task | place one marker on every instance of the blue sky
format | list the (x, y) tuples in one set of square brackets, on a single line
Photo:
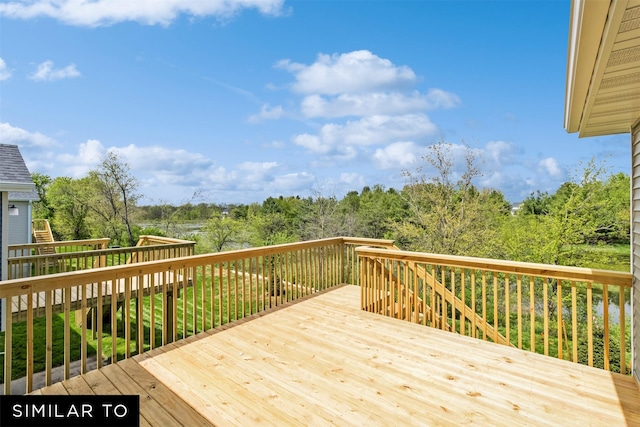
[(240, 100)]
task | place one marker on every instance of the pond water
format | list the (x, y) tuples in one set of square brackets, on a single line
[(614, 311)]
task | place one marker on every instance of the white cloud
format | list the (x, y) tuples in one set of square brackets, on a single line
[(94, 13), (277, 145), (376, 103), (4, 71), (354, 72), (361, 105), (496, 179), (256, 172), (313, 143), (251, 176), (46, 72), (18, 136), (296, 181), (438, 98), (157, 166), (87, 157), (267, 113), (371, 130), (550, 166), (500, 153), (397, 155), (352, 179)]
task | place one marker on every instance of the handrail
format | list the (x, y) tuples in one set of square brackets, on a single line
[(147, 240), (37, 265), (26, 249), (505, 266), (555, 310), (198, 292)]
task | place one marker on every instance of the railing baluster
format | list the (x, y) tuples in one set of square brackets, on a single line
[(484, 305), (98, 319), (473, 304), (164, 308), (48, 337), (433, 305), (140, 309), (235, 292), (83, 329), (574, 320), (545, 302), (220, 296), (67, 331), (532, 314), (590, 323), (180, 276), (174, 305), (605, 313), (559, 316), (424, 295), (463, 316), (623, 341), (29, 355), (8, 344), (519, 308), (126, 317), (507, 308), (452, 275), (114, 318)]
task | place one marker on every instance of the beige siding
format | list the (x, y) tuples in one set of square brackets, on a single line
[(635, 241)]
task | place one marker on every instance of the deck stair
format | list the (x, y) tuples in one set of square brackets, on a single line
[(41, 233), (419, 308)]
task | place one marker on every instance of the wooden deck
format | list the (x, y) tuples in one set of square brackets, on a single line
[(324, 361)]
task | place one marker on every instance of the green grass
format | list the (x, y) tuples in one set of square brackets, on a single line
[(19, 339), (214, 315), (606, 257)]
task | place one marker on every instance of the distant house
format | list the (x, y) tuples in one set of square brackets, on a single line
[(516, 207), (15, 179)]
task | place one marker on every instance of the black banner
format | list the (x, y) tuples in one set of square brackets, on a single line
[(58, 411)]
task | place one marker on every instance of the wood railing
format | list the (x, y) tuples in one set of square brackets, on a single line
[(576, 314), (92, 254), (141, 306), (28, 249), (149, 240)]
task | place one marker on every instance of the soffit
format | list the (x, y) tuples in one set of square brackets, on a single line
[(603, 73)]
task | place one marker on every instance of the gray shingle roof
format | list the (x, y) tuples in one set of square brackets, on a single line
[(23, 196), (12, 166)]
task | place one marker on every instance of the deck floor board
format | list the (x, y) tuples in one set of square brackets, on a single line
[(324, 361)]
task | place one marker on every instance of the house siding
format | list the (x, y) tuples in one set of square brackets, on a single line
[(635, 247), (3, 251), (19, 229)]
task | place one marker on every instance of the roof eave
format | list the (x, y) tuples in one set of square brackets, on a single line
[(588, 20), (17, 186)]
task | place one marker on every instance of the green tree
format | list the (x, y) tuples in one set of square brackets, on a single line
[(591, 208), (69, 200), (322, 216), (115, 198), (447, 213), (537, 203), (222, 233), (378, 211), (41, 208)]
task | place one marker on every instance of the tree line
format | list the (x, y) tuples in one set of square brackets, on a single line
[(438, 210)]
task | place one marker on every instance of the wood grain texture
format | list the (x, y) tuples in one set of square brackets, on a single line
[(324, 361)]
